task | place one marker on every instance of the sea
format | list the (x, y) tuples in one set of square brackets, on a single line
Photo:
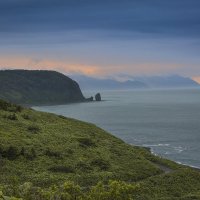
[(165, 120)]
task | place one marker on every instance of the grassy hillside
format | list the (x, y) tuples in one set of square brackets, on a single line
[(46, 150), (36, 87)]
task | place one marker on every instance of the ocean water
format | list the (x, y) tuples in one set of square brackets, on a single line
[(167, 121)]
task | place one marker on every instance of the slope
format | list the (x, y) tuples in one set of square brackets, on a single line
[(38, 87)]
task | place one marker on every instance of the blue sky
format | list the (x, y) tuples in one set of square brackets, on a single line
[(101, 38)]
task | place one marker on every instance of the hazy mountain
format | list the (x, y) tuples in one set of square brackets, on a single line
[(90, 83), (38, 87), (167, 81), (173, 81)]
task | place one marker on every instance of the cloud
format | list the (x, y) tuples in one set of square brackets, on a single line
[(64, 66), (101, 37), (20, 62), (167, 18), (197, 79)]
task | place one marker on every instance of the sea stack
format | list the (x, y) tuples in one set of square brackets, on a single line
[(90, 98), (98, 97)]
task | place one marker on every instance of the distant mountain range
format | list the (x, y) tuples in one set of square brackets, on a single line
[(173, 81)]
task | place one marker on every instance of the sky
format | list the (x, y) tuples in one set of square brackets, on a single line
[(102, 38)]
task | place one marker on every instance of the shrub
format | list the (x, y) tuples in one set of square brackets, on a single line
[(51, 153), (1, 160), (31, 155), (34, 128), (83, 166), (11, 117), (115, 190), (25, 116), (22, 152), (62, 169), (4, 105), (15, 108), (19, 108), (9, 106), (62, 117), (70, 151), (67, 191), (102, 164), (1, 150), (11, 153), (86, 142), (25, 190)]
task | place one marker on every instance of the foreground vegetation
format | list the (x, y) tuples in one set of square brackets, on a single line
[(45, 156)]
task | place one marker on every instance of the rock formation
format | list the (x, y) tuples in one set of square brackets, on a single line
[(98, 97)]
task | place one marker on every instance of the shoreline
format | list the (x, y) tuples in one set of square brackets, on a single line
[(178, 162)]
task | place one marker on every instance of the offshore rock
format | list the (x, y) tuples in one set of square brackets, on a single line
[(98, 97), (89, 99)]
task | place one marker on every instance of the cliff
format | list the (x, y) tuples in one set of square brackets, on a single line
[(35, 87)]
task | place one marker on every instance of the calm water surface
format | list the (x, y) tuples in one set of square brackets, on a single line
[(168, 121)]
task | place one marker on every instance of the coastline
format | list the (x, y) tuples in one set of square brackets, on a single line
[(177, 162)]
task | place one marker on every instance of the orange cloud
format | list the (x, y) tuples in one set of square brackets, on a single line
[(47, 64), (197, 79), (64, 66)]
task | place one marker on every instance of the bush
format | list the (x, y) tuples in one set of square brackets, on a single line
[(11, 153), (11, 117), (22, 152), (1, 150), (19, 108), (31, 155), (114, 190), (101, 164), (62, 117), (10, 107), (51, 153), (25, 116), (15, 108), (62, 169), (4, 105), (83, 166), (86, 142), (34, 128), (70, 151)]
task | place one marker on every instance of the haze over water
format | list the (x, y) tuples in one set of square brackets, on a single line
[(167, 121)]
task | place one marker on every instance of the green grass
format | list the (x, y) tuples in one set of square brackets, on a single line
[(47, 149)]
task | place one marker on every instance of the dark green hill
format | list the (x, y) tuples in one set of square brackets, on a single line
[(37, 87), (41, 150)]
